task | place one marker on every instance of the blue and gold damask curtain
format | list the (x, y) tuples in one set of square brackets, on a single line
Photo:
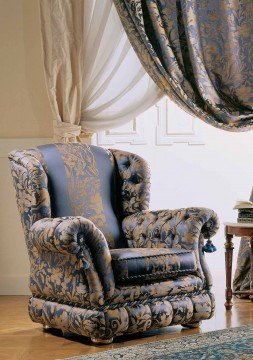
[(199, 53)]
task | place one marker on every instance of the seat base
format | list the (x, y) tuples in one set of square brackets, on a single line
[(103, 324)]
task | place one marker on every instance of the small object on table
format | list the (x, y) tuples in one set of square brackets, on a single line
[(236, 229), (245, 211)]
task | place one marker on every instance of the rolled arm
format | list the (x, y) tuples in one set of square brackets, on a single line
[(170, 228), (80, 237)]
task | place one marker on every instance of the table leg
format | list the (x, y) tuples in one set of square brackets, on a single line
[(229, 246), (251, 268)]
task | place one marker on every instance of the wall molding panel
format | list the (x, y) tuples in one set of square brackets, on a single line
[(173, 126), (132, 133)]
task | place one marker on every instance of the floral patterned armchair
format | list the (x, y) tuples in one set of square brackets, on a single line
[(102, 264)]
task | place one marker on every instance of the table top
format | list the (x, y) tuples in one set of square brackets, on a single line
[(239, 229), (242, 225)]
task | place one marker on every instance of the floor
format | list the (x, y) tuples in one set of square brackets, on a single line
[(21, 339)]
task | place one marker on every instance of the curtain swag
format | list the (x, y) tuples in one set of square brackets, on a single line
[(199, 53), (86, 57), (67, 132)]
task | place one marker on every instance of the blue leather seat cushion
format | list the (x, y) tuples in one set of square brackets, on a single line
[(138, 265)]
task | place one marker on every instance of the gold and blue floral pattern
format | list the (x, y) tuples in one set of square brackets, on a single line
[(105, 323), (242, 276), (61, 277), (135, 181), (83, 181), (31, 184), (72, 279), (181, 229), (198, 52), (181, 285), (78, 236)]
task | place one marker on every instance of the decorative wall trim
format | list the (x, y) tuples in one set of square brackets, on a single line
[(134, 136), (7, 145), (171, 128)]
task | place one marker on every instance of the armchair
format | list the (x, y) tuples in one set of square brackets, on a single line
[(102, 264)]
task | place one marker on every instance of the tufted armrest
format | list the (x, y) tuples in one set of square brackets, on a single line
[(180, 228), (80, 237)]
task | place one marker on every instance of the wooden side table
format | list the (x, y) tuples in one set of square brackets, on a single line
[(236, 229)]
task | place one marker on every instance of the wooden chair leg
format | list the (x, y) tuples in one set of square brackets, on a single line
[(229, 247), (192, 325), (46, 327), (67, 334)]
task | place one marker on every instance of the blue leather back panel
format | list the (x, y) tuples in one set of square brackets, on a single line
[(83, 182), (57, 181)]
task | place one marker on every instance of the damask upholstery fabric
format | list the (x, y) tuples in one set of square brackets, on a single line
[(149, 264), (198, 53), (80, 237), (179, 286), (132, 318), (72, 279), (242, 276), (178, 228), (135, 181)]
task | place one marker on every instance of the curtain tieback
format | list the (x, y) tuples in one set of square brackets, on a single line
[(67, 133)]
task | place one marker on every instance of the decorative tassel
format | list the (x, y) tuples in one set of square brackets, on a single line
[(209, 247), (86, 265)]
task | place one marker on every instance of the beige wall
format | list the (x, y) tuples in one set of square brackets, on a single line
[(25, 121), (24, 106)]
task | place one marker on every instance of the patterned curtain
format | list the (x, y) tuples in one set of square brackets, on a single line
[(242, 273), (199, 53)]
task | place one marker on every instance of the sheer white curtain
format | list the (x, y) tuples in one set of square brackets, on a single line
[(94, 79)]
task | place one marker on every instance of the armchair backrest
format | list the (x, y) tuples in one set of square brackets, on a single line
[(59, 180)]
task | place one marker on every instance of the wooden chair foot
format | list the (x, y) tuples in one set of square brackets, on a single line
[(101, 341), (66, 334), (228, 305), (46, 327), (193, 325)]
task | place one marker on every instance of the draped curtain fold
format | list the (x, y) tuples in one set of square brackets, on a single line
[(94, 79), (199, 53)]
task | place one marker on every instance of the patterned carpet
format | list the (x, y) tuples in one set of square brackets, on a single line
[(229, 344)]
